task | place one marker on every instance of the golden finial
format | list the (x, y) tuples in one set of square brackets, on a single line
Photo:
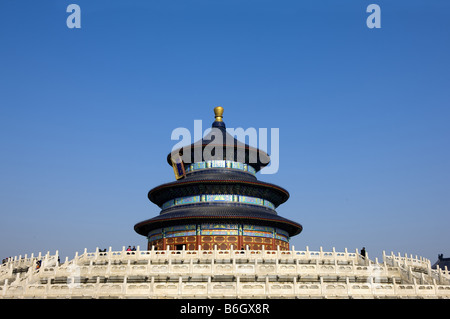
[(218, 111)]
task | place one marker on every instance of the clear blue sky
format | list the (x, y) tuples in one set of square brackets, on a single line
[(364, 115)]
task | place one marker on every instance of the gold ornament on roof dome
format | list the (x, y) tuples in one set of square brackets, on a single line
[(218, 111)]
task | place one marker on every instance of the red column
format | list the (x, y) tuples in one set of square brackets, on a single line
[(199, 239)]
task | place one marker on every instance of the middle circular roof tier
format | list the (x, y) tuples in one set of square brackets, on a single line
[(197, 186)]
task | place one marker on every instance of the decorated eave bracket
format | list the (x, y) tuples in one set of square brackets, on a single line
[(178, 167)]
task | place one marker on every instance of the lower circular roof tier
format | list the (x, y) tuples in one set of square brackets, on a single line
[(165, 192), (218, 213)]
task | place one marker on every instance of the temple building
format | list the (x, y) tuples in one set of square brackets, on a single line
[(441, 263), (216, 200)]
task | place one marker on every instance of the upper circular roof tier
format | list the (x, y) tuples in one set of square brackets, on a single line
[(189, 187), (218, 144)]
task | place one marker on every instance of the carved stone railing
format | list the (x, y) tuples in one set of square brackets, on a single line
[(258, 273), (183, 289)]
